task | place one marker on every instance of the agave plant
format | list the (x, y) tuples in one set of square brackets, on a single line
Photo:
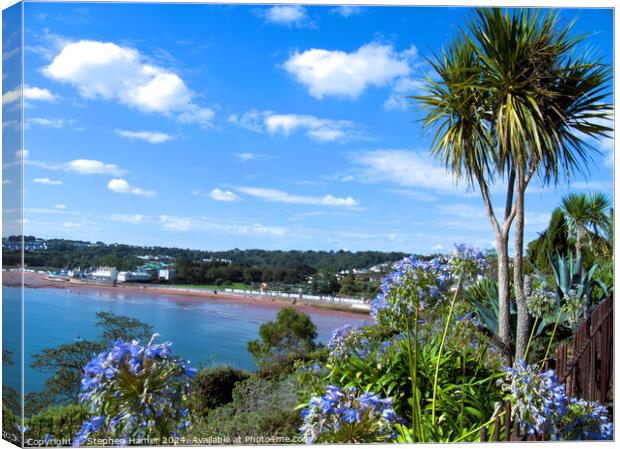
[(574, 282), (484, 297)]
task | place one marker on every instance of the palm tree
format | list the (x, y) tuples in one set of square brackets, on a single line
[(535, 105), (457, 108), (586, 215)]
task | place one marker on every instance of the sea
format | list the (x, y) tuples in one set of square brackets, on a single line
[(203, 331)]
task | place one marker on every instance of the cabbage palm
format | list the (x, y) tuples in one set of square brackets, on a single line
[(458, 109), (585, 214), (531, 106)]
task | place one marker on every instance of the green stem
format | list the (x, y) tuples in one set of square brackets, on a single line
[(479, 428), (555, 326), (443, 340), (527, 348), (412, 376)]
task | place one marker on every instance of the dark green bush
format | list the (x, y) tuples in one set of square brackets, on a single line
[(60, 422), (213, 387), (261, 408)]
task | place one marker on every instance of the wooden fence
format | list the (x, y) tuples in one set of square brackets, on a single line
[(584, 365)]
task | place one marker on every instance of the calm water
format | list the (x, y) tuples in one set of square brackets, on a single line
[(201, 331)]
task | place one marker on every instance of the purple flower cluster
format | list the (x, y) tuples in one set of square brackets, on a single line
[(133, 390), (584, 420), (343, 340), (541, 406), (468, 261), (349, 416), (412, 283)]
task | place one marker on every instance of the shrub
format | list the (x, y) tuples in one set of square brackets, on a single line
[(57, 422), (213, 387), (290, 337), (261, 407)]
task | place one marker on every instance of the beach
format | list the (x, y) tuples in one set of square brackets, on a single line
[(40, 280)]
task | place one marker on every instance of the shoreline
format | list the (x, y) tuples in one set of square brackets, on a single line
[(39, 280)]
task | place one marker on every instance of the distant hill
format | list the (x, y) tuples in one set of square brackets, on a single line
[(61, 253)]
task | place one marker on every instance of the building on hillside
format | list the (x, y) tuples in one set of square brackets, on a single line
[(167, 274), (105, 274), (134, 276)]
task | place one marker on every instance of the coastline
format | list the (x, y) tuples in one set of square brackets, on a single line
[(39, 280)]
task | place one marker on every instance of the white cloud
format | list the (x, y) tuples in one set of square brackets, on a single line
[(341, 74), (318, 129), (278, 196), (121, 186), (11, 96), (222, 195), (247, 156), (606, 146), (288, 15), (537, 219), (414, 194), (92, 167), (184, 224), (32, 93), (153, 137), (402, 88), (47, 181), (128, 218), (46, 122), (70, 225), (60, 206), (405, 168), (346, 10), (106, 70), (22, 154), (462, 210)]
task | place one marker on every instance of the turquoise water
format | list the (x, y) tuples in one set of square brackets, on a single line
[(201, 331)]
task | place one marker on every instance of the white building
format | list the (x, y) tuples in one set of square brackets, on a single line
[(133, 276), (105, 274), (166, 274)]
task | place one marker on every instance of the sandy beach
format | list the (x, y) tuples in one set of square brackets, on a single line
[(39, 280)]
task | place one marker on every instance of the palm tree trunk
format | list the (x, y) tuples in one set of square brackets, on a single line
[(523, 316), (579, 240), (503, 268), (503, 288)]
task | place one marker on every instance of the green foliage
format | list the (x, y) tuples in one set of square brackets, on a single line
[(118, 327), (553, 239), (10, 423), (466, 389), (61, 422), (65, 362), (483, 296), (571, 279), (325, 282), (290, 337), (261, 408), (213, 387)]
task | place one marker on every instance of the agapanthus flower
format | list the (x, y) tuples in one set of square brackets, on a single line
[(541, 406), (542, 303), (134, 389), (346, 416)]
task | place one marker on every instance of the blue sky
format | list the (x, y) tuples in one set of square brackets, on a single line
[(217, 127)]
